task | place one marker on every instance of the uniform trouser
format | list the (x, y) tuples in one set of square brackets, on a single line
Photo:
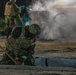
[(10, 21)]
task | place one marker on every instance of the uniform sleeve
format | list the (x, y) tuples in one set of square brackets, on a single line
[(17, 9)]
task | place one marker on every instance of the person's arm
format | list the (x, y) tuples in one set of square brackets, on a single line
[(21, 20), (16, 9)]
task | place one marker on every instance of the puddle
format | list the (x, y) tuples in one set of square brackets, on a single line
[(55, 62)]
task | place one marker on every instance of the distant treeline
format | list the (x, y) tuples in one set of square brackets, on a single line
[(18, 2)]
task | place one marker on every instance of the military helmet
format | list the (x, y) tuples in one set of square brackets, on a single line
[(32, 30), (16, 32)]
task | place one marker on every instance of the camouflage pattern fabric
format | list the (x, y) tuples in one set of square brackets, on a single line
[(21, 49)]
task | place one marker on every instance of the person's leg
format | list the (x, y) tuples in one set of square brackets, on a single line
[(7, 21), (12, 21), (30, 61), (6, 60)]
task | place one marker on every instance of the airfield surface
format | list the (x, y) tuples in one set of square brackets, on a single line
[(43, 49), (51, 49)]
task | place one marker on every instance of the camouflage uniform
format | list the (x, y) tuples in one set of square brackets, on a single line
[(20, 49), (11, 11)]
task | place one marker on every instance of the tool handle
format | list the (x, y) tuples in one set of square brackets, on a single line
[(9, 56)]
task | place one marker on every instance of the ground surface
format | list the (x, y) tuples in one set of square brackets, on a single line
[(51, 49), (25, 70), (44, 49)]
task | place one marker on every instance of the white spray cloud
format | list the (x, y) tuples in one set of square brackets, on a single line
[(57, 18), (68, 2), (38, 6)]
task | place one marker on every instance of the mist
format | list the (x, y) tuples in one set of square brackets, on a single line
[(57, 19)]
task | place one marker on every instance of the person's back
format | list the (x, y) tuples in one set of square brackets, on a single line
[(11, 9), (8, 8), (11, 12)]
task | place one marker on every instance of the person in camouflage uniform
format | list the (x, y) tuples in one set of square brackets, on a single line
[(11, 11), (20, 47)]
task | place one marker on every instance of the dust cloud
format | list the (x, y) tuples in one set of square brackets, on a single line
[(57, 19)]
